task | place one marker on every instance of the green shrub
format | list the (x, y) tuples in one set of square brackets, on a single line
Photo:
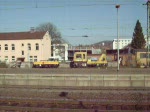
[(3, 65)]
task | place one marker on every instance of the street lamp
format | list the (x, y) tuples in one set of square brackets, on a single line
[(117, 7)]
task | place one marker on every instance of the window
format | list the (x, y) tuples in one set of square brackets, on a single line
[(13, 47), (13, 58), (22, 44), (78, 56), (0, 47), (31, 58), (22, 53), (103, 59), (29, 46), (6, 47), (6, 58), (36, 46), (35, 58), (143, 55), (83, 56)]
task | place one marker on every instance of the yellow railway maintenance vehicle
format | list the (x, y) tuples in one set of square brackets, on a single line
[(81, 59), (50, 63)]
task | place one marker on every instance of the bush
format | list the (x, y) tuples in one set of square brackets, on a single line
[(3, 65)]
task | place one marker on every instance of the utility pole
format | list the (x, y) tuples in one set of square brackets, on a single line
[(148, 30), (118, 60)]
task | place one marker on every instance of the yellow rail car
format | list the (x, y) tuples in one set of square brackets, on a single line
[(97, 62), (50, 63), (81, 59)]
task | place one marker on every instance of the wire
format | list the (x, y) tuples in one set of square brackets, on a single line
[(37, 5)]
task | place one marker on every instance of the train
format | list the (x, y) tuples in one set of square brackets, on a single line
[(50, 63), (82, 59)]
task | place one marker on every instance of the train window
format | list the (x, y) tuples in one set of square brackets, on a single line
[(78, 56), (103, 59), (83, 56)]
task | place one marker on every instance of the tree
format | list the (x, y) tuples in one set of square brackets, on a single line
[(138, 41), (55, 34)]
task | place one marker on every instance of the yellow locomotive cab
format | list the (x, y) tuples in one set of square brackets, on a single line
[(81, 59)]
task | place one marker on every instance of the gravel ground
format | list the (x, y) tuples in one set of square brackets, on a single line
[(119, 95)]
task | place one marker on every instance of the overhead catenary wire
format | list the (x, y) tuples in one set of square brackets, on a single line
[(37, 4), (40, 4)]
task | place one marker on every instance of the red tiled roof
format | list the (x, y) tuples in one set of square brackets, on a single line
[(21, 35)]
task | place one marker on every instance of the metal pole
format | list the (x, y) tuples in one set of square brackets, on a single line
[(148, 26), (148, 31), (117, 7)]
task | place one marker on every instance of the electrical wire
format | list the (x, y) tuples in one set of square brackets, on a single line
[(35, 4)]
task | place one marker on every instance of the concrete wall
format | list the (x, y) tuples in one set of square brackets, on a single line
[(76, 80)]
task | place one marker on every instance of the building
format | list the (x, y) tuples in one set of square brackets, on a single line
[(60, 51), (89, 49), (26, 46), (142, 57), (122, 43)]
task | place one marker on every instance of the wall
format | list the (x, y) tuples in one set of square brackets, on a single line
[(75, 80)]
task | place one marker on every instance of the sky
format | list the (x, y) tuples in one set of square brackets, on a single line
[(75, 18)]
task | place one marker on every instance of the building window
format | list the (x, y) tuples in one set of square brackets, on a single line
[(6, 47), (0, 47), (22, 52), (29, 46), (31, 58), (13, 58), (143, 55), (6, 58), (36, 46), (22, 44), (35, 58), (13, 47)]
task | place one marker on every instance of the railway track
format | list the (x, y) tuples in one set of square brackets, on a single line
[(38, 106), (74, 100), (35, 109)]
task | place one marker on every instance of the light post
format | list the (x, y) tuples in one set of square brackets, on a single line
[(117, 7)]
